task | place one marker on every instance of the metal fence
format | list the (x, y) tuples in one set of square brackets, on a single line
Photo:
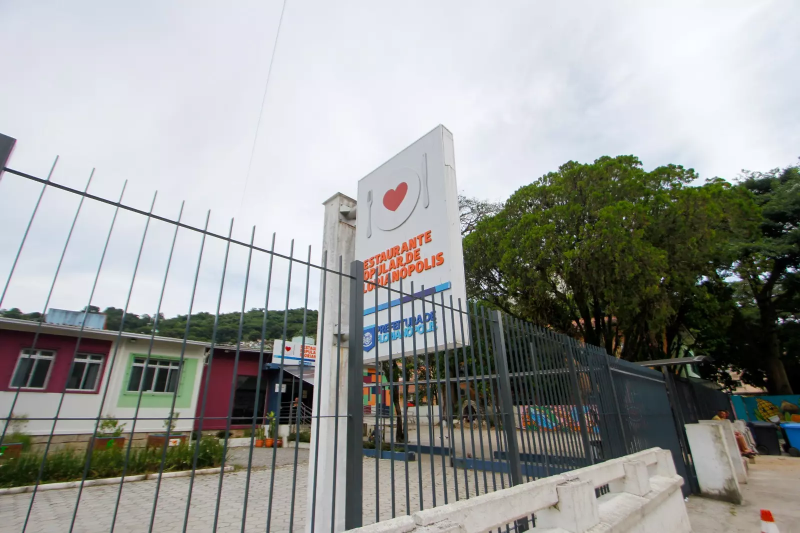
[(511, 402)]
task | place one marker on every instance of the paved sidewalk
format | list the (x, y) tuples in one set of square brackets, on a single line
[(53, 510), (773, 483)]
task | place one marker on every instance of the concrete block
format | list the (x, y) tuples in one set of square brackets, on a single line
[(576, 510), (716, 474), (636, 480), (733, 448), (401, 524), (666, 464)]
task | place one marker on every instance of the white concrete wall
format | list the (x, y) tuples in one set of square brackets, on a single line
[(713, 464), (646, 498)]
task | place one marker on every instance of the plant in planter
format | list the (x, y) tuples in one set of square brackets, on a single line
[(156, 440), (16, 440), (109, 434), (272, 439), (261, 436)]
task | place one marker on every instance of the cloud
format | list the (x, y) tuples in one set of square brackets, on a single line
[(167, 97)]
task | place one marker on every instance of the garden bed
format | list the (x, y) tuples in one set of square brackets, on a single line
[(67, 465)]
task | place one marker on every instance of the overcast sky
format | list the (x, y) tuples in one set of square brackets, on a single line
[(167, 96)]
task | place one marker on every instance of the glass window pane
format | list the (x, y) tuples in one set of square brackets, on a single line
[(173, 380), (22, 373), (90, 381), (161, 380), (136, 376), (138, 361), (74, 381), (39, 373), (148, 379)]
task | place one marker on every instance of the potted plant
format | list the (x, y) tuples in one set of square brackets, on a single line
[(270, 440), (156, 440), (16, 440), (260, 437), (109, 434)]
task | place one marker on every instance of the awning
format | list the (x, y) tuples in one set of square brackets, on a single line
[(308, 373)]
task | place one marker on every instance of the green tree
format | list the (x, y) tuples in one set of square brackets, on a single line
[(607, 251), (768, 265)]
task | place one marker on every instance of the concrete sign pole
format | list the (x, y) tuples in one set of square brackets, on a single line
[(338, 241)]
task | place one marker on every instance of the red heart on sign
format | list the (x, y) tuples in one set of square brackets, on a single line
[(288, 348), (394, 197)]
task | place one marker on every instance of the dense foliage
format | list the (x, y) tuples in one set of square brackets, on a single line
[(647, 265), (201, 325)]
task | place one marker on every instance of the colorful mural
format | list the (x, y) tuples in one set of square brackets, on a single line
[(767, 408), (557, 418), (370, 392)]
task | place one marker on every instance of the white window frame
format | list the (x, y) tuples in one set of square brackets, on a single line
[(87, 358), (159, 365), (28, 353)]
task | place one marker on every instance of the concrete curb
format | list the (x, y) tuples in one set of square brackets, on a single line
[(109, 481)]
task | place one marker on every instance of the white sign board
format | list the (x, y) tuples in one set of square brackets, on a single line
[(294, 353), (408, 232)]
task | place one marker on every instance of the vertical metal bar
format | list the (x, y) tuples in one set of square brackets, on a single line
[(476, 339), (431, 432), (541, 432), (355, 383), (280, 384), (180, 371), (318, 392), (504, 387), (526, 358), (49, 294), (516, 367), (404, 405), (234, 378), (416, 404), (458, 393), (567, 452), (378, 395), (144, 371), (357, 281), (27, 230), (75, 353), (113, 359), (300, 393), (450, 413), (439, 393), (679, 422), (487, 338), (587, 447), (208, 372), (390, 378), (469, 399), (258, 384)]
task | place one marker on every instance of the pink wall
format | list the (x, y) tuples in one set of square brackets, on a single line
[(219, 389), (13, 342)]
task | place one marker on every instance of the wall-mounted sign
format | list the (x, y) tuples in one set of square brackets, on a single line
[(293, 353), (408, 232)]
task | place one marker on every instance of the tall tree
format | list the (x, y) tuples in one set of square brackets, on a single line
[(606, 251), (768, 263)]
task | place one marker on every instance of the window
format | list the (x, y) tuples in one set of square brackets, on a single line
[(33, 368), (85, 372), (160, 376)]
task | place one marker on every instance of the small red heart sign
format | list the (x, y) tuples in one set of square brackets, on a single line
[(394, 197), (288, 348)]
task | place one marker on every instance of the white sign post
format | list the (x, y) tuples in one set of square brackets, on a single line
[(408, 229)]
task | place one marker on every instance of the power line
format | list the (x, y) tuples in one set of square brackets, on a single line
[(263, 100)]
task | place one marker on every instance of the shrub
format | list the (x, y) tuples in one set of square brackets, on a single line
[(68, 464), (110, 427), (305, 436)]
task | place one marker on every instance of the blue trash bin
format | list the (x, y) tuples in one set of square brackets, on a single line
[(792, 432)]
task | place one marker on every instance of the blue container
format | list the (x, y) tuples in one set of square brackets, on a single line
[(793, 436)]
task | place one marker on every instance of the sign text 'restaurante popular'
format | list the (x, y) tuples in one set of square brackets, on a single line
[(409, 238)]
